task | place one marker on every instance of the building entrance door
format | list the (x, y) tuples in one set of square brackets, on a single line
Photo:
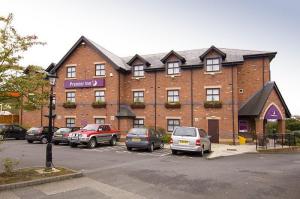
[(213, 130)]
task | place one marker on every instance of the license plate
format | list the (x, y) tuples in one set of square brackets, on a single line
[(30, 134), (58, 135), (135, 139), (1, 137), (74, 138), (184, 142)]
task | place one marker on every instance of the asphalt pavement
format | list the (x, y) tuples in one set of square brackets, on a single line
[(113, 172)]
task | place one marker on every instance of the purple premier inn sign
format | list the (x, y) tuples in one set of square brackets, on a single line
[(273, 113), (87, 83)]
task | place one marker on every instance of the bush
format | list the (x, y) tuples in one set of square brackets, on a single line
[(166, 138), (292, 124), (8, 165)]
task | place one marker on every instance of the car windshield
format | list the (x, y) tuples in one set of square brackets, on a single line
[(91, 127), (181, 131), (63, 130), (138, 131)]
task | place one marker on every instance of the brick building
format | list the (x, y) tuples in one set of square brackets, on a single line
[(224, 91)]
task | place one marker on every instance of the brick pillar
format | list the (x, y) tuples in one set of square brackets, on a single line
[(259, 126), (281, 126)]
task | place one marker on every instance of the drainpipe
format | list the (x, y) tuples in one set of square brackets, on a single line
[(119, 98), (155, 100), (192, 100), (232, 108), (263, 77)]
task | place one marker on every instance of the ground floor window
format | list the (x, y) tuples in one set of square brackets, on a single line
[(172, 123), (99, 120), (70, 122), (138, 123)]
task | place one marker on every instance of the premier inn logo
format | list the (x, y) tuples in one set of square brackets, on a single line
[(88, 83)]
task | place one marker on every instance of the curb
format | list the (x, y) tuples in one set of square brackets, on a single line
[(40, 181)]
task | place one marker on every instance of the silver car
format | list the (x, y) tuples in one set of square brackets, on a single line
[(190, 139)]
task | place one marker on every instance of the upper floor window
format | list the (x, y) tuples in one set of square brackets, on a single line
[(173, 68), (172, 124), (138, 96), (99, 121), (138, 71), (70, 122), (212, 64), (212, 94), (173, 96), (71, 72), (70, 96), (138, 123), (100, 96), (100, 69)]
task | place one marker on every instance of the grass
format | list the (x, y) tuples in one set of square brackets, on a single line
[(28, 174)]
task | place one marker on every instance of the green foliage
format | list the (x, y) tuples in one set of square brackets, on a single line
[(28, 86), (166, 138), (271, 128), (292, 124), (9, 165)]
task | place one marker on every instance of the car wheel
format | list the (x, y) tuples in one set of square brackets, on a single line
[(73, 145), (44, 140), (129, 148), (174, 152), (151, 148), (92, 143), (113, 141), (55, 143), (30, 141), (161, 146)]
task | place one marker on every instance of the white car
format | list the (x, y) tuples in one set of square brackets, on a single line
[(190, 139)]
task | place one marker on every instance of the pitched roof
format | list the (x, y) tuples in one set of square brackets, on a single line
[(125, 111), (256, 103), (138, 57), (172, 52), (155, 61), (116, 61), (215, 49)]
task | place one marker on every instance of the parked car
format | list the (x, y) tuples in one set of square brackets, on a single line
[(38, 134), (12, 131), (62, 134), (190, 139), (93, 134), (144, 138)]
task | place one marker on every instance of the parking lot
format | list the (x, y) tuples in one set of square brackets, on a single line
[(113, 172)]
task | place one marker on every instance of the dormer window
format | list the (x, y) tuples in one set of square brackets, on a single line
[(212, 64), (138, 71), (173, 68)]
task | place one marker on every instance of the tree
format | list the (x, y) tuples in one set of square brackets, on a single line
[(12, 46), (292, 124), (18, 89)]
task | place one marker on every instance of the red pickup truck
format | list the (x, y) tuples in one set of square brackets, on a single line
[(93, 134)]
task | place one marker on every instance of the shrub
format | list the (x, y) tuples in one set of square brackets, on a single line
[(69, 105), (8, 165), (212, 104), (138, 105), (166, 138), (292, 124), (172, 105), (99, 104)]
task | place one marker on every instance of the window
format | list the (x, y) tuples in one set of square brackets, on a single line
[(70, 96), (173, 96), (138, 123), (173, 68), (99, 96), (213, 94), (70, 122), (172, 123), (71, 72), (138, 96), (212, 64), (99, 121), (138, 71), (100, 69)]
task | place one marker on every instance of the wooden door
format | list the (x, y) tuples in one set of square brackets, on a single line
[(213, 130)]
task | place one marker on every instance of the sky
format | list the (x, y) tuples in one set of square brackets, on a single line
[(127, 27)]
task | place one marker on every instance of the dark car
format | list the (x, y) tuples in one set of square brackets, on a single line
[(62, 134), (38, 134), (144, 138), (12, 131)]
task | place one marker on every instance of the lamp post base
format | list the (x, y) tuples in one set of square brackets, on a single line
[(49, 155)]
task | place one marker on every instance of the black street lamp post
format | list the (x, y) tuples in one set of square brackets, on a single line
[(50, 127)]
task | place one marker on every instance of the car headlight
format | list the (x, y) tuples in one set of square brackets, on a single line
[(83, 136)]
